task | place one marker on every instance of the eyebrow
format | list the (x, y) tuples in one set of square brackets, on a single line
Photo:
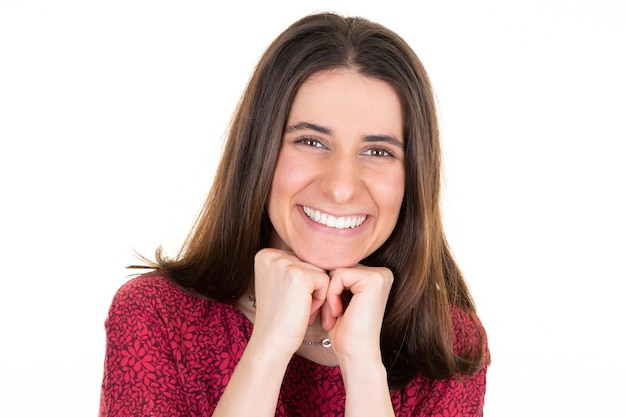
[(384, 138), (324, 130), (308, 126)]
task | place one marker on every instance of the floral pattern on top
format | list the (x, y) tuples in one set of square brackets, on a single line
[(171, 354)]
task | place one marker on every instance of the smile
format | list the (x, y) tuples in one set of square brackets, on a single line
[(344, 222)]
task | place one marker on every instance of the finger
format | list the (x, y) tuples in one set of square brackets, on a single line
[(336, 288), (327, 319), (317, 301)]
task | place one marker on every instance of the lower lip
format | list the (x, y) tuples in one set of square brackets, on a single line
[(328, 229)]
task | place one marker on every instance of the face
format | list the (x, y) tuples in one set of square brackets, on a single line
[(339, 179)]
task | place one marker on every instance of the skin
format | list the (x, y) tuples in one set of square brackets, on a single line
[(342, 155)]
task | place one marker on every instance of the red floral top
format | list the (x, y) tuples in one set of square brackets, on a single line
[(171, 354)]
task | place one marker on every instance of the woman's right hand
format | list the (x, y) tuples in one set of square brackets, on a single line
[(289, 294)]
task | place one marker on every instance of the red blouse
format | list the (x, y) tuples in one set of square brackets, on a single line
[(171, 354)]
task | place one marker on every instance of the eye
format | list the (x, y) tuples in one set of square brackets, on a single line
[(308, 141), (379, 152)]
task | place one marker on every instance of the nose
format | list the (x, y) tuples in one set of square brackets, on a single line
[(341, 179)]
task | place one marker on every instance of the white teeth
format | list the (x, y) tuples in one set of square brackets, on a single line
[(346, 222), (331, 222)]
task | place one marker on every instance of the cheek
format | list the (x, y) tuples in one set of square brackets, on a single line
[(391, 194), (276, 202), (286, 184), (279, 186), (291, 175)]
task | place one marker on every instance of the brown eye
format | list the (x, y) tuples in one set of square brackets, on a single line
[(381, 152), (311, 142)]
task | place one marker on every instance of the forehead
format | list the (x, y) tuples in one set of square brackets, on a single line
[(346, 97)]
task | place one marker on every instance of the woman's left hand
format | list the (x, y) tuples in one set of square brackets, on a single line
[(355, 329)]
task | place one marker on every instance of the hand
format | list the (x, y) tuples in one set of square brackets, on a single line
[(355, 332), (289, 296)]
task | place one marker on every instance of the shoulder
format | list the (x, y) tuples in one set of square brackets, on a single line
[(163, 343), (148, 289), (153, 296), (149, 284), (469, 333)]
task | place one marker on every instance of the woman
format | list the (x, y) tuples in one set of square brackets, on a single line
[(317, 280)]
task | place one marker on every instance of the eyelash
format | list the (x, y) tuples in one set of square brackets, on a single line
[(309, 141), (386, 152), (316, 143)]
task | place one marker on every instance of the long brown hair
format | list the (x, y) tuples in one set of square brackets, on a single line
[(216, 260)]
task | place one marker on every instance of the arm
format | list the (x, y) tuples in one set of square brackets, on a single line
[(144, 375), (254, 387), (288, 293), (355, 334), (367, 393)]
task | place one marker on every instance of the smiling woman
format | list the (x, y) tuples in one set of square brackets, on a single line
[(317, 280)]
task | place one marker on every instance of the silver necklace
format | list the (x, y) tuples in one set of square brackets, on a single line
[(323, 343)]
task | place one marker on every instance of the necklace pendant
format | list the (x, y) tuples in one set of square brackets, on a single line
[(324, 343)]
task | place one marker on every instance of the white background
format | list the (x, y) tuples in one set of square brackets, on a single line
[(112, 116)]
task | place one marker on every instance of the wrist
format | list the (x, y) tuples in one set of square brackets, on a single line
[(362, 369), (269, 350), (367, 389)]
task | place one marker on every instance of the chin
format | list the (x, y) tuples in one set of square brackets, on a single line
[(330, 262)]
